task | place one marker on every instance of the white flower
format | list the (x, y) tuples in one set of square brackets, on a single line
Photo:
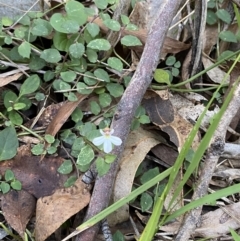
[(107, 140)]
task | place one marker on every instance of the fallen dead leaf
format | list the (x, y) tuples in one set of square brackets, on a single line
[(162, 113), (38, 177), (213, 224), (9, 78), (139, 143), (63, 114), (216, 74), (17, 208), (53, 211)]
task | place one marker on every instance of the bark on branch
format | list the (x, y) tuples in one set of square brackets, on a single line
[(127, 106)]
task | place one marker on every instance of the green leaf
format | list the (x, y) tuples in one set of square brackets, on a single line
[(146, 202), (228, 36), (24, 49), (105, 99), (6, 21), (76, 50), (131, 26), (61, 41), (68, 76), (76, 11), (9, 99), (211, 17), (130, 40), (5, 187), (175, 72), (161, 76), (149, 175), (77, 115), (51, 55), (224, 15), (112, 24), (118, 236), (19, 106), (91, 55), (15, 118), (8, 40), (144, 119), (8, 143), (88, 80), (38, 149), (16, 185), (93, 29), (115, 63), (51, 150), (115, 89), (66, 167), (99, 44), (135, 124), (83, 89), (41, 27), (177, 64), (170, 60), (102, 75), (9, 175), (85, 156), (102, 166), (49, 138), (70, 181), (75, 17), (125, 19), (71, 96), (110, 158), (140, 111), (30, 85), (95, 108), (101, 4), (48, 75)]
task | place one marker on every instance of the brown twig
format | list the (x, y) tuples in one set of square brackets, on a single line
[(213, 153), (127, 106)]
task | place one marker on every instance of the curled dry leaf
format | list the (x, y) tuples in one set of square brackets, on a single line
[(162, 113), (17, 208), (216, 74), (53, 211), (139, 143)]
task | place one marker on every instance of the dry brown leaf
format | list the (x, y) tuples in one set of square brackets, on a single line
[(190, 108), (63, 114), (161, 112), (9, 78), (216, 74), (139, 143), (18, 207), (38, 177), (213, 224), (53, 211)]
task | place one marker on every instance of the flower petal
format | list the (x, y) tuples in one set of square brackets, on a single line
[(102, 132), (107, 145), (98, 140), (116, 140)]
